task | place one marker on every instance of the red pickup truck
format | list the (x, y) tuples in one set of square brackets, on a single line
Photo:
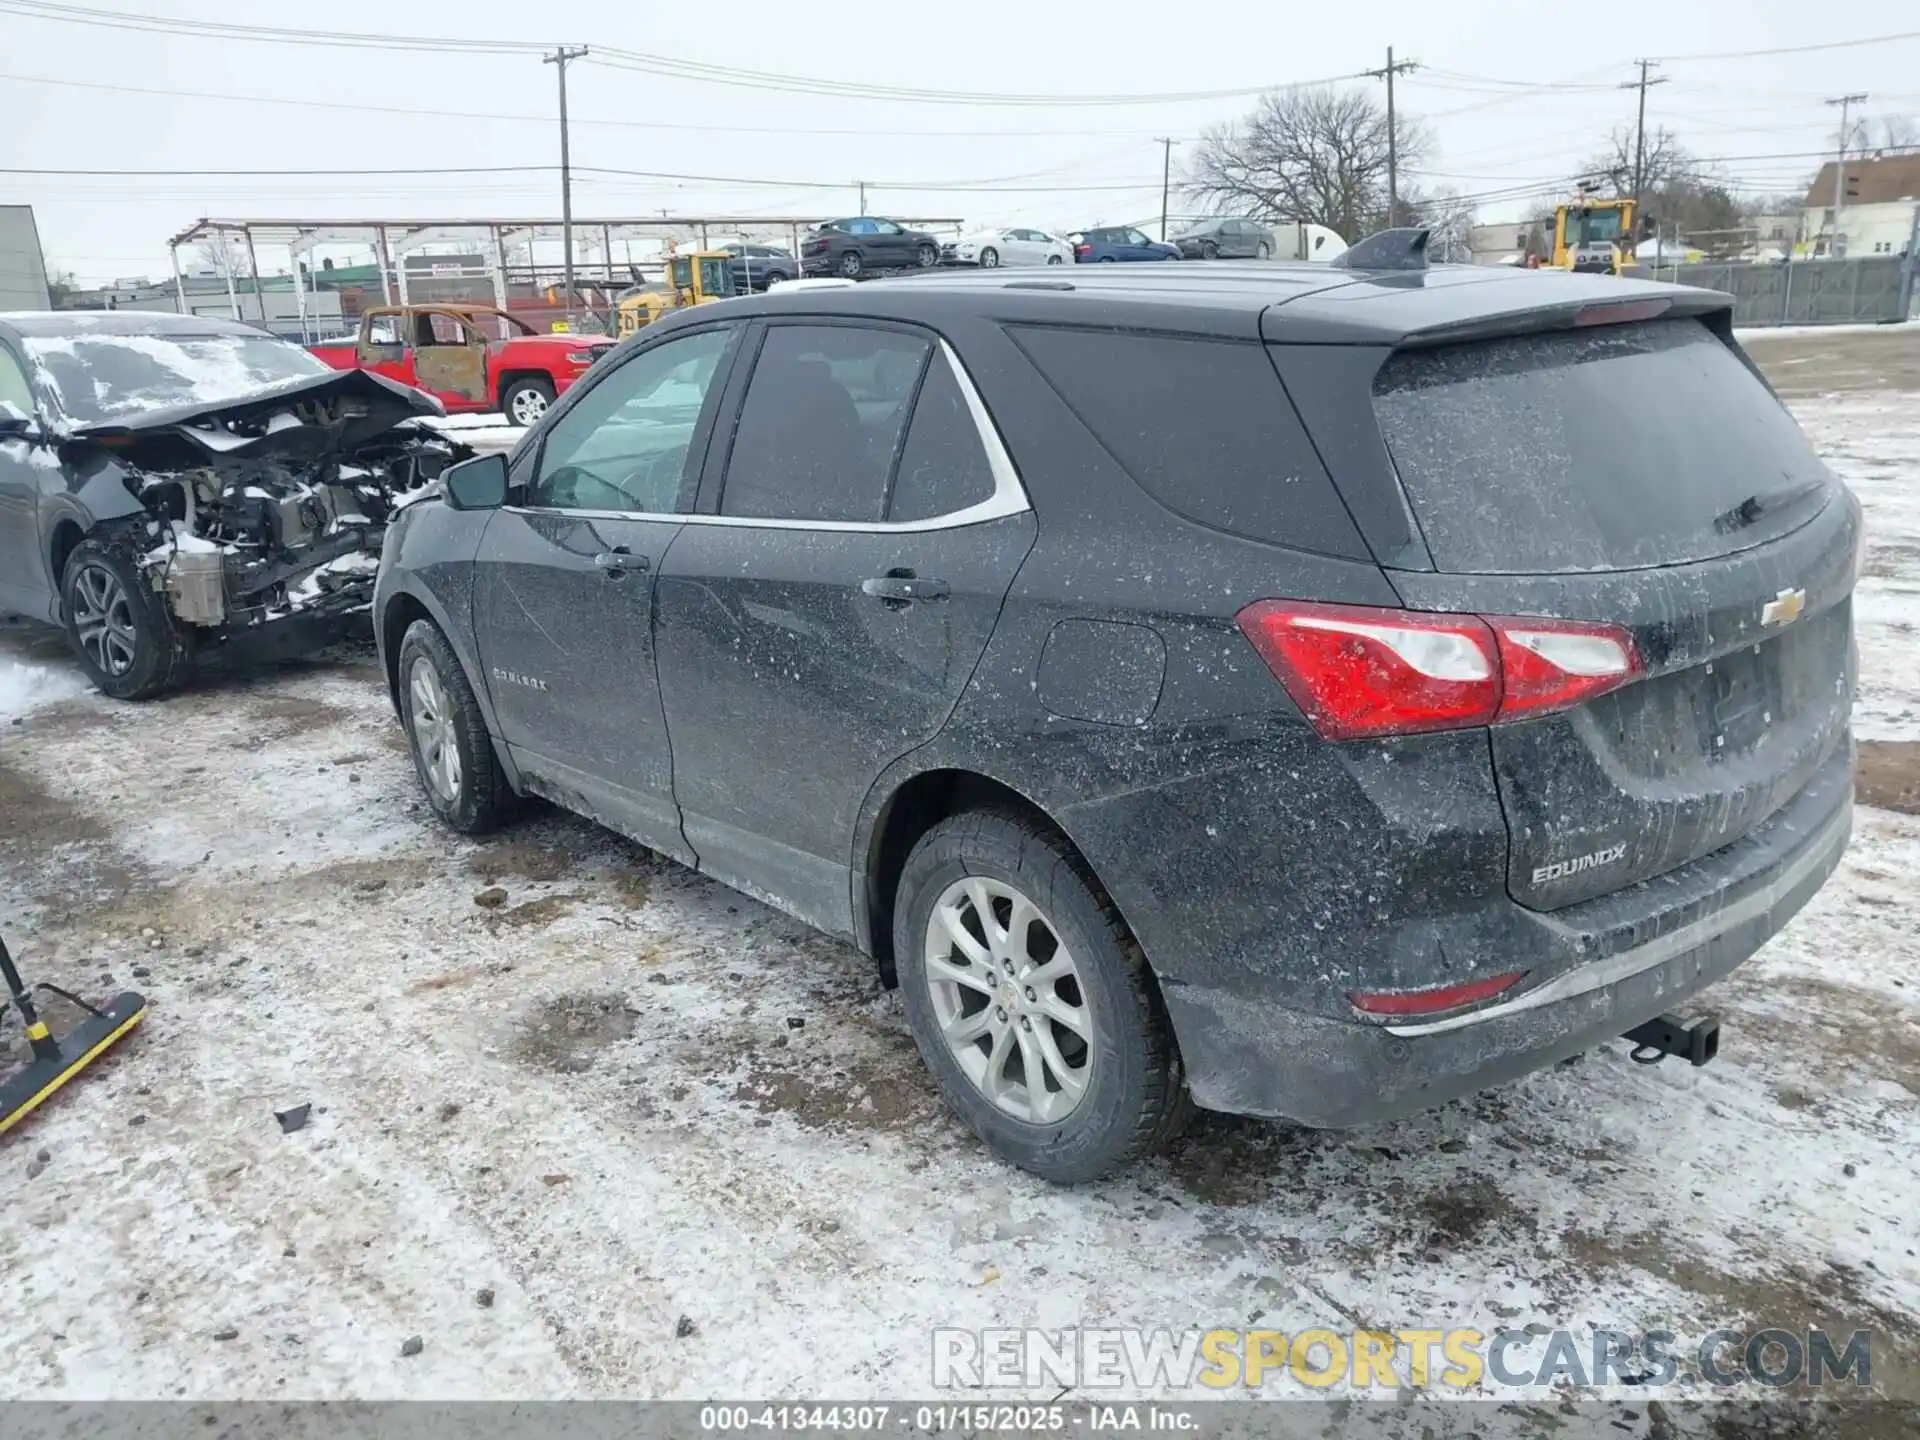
[(470, 357)]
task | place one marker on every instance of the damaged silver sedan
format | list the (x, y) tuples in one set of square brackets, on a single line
[(175, 489)]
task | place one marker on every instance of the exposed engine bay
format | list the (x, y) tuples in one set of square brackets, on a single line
[(276, 506)]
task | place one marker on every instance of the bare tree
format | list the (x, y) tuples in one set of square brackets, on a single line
[(1449, 220), (1314, 154), (1888, 132), (223, 255), (1676, 190)]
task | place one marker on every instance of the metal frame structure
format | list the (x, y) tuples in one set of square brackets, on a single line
[(392, 240)]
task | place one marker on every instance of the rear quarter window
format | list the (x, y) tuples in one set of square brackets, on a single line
[(1203, 426), (1611, 448)]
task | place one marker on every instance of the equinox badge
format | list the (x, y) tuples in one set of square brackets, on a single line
[(1784, 608)]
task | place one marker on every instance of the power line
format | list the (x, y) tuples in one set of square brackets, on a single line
[(1801, 49), (257, 174), (577, 120), (618, 58)]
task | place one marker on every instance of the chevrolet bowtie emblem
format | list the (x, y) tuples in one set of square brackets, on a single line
[(1784, 608)]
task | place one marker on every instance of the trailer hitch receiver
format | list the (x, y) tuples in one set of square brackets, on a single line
[(1696, 1041)]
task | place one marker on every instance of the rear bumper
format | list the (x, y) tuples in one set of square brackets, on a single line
[(1594, 970)]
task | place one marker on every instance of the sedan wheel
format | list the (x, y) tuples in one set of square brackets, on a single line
[(103, 619), (989, 259), (1008, 998), (447, 734), (433, 731), (1029, 999)]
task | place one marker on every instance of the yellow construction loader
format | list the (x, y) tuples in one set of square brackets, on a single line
[(694, 277), (1592, 236)]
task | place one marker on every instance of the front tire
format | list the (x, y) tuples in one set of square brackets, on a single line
[(989, 259), (1209, 250), (927, 256), (447, 735), (118, 627), (525, 401), (1030, 1001)]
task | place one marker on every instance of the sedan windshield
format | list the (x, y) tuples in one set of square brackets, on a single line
[(112, 377)]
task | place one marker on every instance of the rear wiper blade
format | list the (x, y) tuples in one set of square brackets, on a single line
[(1754, 506)]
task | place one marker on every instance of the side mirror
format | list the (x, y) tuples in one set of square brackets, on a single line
[(15, 423), (476, 484)]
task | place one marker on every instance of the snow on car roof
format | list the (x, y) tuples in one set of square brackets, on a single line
[(49, 323)]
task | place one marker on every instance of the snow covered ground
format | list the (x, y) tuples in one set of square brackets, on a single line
[(550, 1124), (484, 432)]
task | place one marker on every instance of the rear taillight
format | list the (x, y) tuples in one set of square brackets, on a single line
[(1357, 670), (1083, 249)]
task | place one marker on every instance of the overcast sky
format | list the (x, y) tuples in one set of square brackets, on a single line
[(1536, 102)]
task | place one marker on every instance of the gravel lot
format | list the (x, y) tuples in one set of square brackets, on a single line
[(590, 1125)]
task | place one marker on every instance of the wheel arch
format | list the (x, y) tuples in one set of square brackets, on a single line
[(902, 808), (507, 379), (399, 608)]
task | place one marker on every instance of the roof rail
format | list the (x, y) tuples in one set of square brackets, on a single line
[(1401, 249)]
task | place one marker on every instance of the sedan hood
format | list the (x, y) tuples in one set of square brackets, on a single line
[(306, 417)]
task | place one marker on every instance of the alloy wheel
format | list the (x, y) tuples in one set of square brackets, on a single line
[(103, 619), (1008, 999), (528, 405), (433, 732)]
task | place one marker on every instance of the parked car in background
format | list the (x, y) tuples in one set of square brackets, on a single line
[(1110, 243), (1226, 237), (756, 266), (865, 245), (468, 357), (175, 489), (1016, 245), (1516, 716)]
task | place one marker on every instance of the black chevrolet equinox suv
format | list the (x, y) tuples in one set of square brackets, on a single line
[(1298, 691)]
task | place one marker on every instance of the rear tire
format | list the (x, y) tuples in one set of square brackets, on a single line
[(1106, 260), (447, 735), (850, 265), (525, 401), (1055, 260), (1263, 251), (1112, 1087), (118, 627)]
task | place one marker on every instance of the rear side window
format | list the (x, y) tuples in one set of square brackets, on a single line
[(1204, 426), (943, 468), (822, 423), (1611, 448)]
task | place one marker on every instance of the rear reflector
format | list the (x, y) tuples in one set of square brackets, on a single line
[(1358, 670), (1396, 1004)]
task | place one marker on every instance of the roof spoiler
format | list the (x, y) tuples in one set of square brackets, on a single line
[(1402, 249)]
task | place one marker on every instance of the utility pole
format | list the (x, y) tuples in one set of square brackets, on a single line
[(1846, 104), (559, 60), (1640, 134), (1166, 177), (1393, 134), (863, 195)]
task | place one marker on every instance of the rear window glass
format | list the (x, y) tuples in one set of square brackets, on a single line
[(1204, 426), (1611, 448)]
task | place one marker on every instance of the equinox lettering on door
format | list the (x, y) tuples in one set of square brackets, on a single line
[(514, 677), (1560, 869)]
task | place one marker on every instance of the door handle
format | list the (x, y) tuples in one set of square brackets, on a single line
[(904, 589), (616, 562)]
